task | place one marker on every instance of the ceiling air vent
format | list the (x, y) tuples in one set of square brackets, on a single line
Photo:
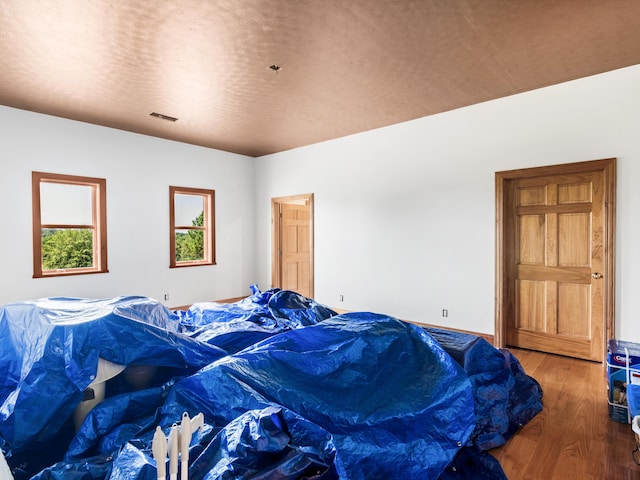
[(163, 117)]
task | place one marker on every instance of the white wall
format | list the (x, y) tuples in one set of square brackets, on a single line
[(404, 215), (404, 219), (138, 170)]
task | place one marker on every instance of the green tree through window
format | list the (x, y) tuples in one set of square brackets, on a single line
[(191, 227), (190, 244), (67, 248), (69, 224)]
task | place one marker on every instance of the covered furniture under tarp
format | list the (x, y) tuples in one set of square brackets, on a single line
[(288, 389)]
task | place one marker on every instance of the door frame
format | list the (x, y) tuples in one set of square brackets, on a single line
[(276, 226), (608, 168)]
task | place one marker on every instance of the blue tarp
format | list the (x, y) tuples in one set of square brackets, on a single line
[(241, 324), (288, 390), (49, 354), (392, 400), (504, 396)]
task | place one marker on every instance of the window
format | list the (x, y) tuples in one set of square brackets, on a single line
[(192, 227), (69, 225)]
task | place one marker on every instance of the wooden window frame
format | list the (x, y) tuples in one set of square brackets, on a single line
[(98, 226), (209, 227)]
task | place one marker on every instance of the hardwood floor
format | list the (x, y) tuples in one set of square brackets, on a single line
[(573, 437)]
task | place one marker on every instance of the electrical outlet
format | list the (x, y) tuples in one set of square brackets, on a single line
[(166, 296), (445, 312), (341, 298)]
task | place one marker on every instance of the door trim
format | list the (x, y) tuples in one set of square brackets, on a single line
[(608, 168), (276, 273)]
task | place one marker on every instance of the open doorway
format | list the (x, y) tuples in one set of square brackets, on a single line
[(292, 253)]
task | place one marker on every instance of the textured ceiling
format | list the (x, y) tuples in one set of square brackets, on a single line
[(346, 66)]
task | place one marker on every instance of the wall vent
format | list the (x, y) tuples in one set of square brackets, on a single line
[(163, 117)]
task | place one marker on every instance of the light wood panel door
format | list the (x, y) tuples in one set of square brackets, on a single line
[(295, 249), (558, 263), (293, 244)]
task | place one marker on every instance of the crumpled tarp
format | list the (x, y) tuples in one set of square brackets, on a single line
[(257, 445), (235, 326), (396, 405), (505, 397), (49, 354), (505, 400), (354, 396)]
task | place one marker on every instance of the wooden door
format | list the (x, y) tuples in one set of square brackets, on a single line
[(293, 244), (558, 262)]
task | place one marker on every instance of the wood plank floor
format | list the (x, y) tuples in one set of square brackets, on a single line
[(573, 437)]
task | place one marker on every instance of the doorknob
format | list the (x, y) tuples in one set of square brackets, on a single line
[(596, 275)]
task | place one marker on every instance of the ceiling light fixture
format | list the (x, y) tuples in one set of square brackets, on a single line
[(163, 117)]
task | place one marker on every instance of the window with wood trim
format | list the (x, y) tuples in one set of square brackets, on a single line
[(69, 225), (192, 227)]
